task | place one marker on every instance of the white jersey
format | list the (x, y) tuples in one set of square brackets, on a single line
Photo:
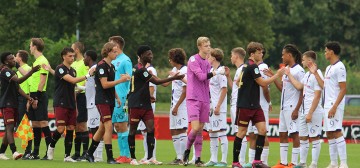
[(216, 84), (290, 95), (90, 91), (153, 71), (334, 74), (310, 86), (263, 102), (234, 91), (177, 88)]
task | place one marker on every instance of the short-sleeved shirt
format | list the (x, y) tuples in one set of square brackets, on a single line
[(81, 70), (263, 102), (290, 95), (122, 65), (90, 91), (310, 86), (249, 93), (216, 84), (177, 87), (64, 90), (235, 88), (139, 96), (197, 81), (104, 96), (334, 74), (25, 86), (34, 80), (9, 89)]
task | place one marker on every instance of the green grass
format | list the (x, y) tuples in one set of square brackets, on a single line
[(165, 153)]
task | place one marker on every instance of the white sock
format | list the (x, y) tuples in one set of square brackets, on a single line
[(295, 155), (265, 155), (224, 146), (144, 134), (243, 151), (99, 150), (316, 147), (341, 147), (182, 142), (154, 151), (176, 142), (333, 151), (304, 149), (283, 153), (214, 146), (251, 155)]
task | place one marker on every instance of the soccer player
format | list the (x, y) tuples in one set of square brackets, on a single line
[(9, 101), (237, 58), (65, 103), (248, 106), (311, 117), (218, 108), (38, 84), (265, 104), (197, 97), (153, 88), (139, 102), (291, 99), (334, 104), (21, 59), (81, 131), (93, 121), (178, 114), (120, 116), (105, 100)]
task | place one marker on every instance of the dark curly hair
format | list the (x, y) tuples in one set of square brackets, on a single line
[(177, 55)]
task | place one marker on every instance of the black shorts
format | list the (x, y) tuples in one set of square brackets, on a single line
[(81, 107), (21, 108), (41, 113)]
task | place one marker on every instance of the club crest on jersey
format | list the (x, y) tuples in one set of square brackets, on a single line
[(146, 74), (101, 71), (256, 70), (7, 74), (192, 59), (61, 71)]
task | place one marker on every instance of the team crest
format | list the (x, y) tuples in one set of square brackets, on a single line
[(256, 70), (61, 71), (101, 71), (146, 74), (7, 74), (192, 59)]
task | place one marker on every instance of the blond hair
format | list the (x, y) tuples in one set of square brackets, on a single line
[(202, 40)]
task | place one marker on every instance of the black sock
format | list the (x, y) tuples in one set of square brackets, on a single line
[(77, 142), (12, 147), (93, 146), (55, 138), (37, 140), (29, 147), (259, 146), (109, 152), (47, 134), (68, 142), (150, 140), (85, 141), (3, 148), (131, 141), (236, 149)]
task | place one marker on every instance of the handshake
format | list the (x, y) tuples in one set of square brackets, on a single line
[(219, 71)]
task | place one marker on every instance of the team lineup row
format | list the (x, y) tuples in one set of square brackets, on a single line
[(115, 93)]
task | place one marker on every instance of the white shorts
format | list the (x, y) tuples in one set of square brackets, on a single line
[(234, 127), (180, 121), (312, 129), (217, 122), (286, 124), (335, 123), (93, 117), (253, 129)]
